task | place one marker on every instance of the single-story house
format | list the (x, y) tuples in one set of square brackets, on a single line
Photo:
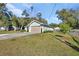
[(38, 27), (2, 28), (56, 29)]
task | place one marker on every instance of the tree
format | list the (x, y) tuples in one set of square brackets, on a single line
[(31, 8), (53, 25), (75, 13), (24, 13), (40, 19), (15, 21), (71, 21), (67, 17), (44, 21), (2, 6), (65, 27), (39, 15), (23, 22), (5, 16)]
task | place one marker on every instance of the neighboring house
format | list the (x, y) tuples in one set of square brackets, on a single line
[(2, 28), (38, 27), (57, 29)]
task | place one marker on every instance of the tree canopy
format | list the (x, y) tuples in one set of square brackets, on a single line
[(69, 16)]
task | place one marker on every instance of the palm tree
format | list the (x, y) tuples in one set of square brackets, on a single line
[(15, 23), (39, 15), (24, 13), (31, 8)]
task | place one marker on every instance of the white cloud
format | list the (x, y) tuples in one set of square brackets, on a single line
[(15, 10)]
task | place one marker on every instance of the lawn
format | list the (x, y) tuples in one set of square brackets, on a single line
[(7, 32), (38, 44)]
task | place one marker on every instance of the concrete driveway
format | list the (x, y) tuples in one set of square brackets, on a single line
[(14, 35)]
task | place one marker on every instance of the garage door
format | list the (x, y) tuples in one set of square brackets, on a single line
[(36, 29)]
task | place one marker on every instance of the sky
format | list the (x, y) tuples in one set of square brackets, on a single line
[(48, 10)]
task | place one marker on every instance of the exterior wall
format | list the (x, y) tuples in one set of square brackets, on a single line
[(35, 27), (57, 29), (46, 29), (38, 29), (28, 29)]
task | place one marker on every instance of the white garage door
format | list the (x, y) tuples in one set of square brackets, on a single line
[(36, 29)]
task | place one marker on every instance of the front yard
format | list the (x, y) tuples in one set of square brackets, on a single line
[(8, 32), (38, 44)]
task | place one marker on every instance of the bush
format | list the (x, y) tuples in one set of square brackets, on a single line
[(13, 39), (46, 31), (22, 30), (64, 27)]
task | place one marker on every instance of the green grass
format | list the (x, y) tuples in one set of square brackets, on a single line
[(37, 44), (7, 32)]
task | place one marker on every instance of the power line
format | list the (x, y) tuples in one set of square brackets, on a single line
[(52, 11)]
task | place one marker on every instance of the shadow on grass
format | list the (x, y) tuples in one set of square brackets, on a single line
[(59, 35), (75, 40), (72, 46), (13, 40), (69, 44)]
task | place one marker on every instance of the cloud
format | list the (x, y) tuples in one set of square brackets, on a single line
[(15, 10)]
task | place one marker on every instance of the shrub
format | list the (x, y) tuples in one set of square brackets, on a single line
[(13, 39), (22, 30), (64, 27), (46, 31)]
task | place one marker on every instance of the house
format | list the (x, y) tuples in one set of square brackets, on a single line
[(2, 28), (56, 29), (38, 27)]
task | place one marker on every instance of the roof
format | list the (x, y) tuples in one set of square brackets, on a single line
[(41, 24), (44, 25)]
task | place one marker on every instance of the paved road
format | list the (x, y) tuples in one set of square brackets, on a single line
[(14, 35), (75, 33)]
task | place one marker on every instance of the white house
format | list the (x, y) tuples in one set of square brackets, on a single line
[(38, 27), (57, 29), (2, 28)]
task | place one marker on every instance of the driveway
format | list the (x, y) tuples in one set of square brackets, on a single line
[(14, 35)]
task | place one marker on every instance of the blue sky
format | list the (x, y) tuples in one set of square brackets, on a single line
[(48, 10)]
